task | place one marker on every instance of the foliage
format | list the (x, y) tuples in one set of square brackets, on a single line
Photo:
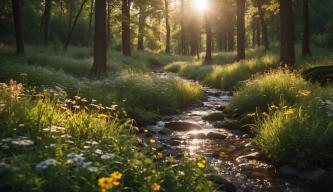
[(49, 140)]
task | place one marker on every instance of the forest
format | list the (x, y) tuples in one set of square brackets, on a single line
[(166, 95)]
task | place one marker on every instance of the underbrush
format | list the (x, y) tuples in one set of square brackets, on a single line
[(48, 140), (145, 96)]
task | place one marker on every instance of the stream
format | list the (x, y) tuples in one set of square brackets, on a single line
[(229, 152)]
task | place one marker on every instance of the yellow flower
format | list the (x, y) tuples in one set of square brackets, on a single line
[(152, 141), (160, 155), (153, 149), (155, 187), (105, 182), (146, 130), (202, 164), (102, 116), (304, 93), (116, 175)]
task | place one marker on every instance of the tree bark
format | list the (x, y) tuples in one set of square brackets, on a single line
[(100, 45), (142, 23), (182, 28), (208, 58), (287, 52), (91, 13), (109, 27), (125, 25), (263, 25), (69, 37), (254, 29), (240, 29), (167, 26), (18, 22), (46, 21), (306, 23), (258, 32)]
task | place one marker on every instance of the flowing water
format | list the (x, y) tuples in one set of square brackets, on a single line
[(230, 152)]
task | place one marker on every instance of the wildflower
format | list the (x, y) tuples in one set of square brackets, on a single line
[(108, 156), (153, 149), (98, 151), (116, 175), (160, 155), (21, 125), (202, 164), (45, 164), (102, 116), (145, 130), (155, 187), (152, 141), (92, 169), (105, 183), (23, 142)]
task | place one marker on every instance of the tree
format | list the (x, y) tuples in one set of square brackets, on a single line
[(182, 28), (46, 21), (142, 23), (263, 24), (125, 25), (69, 36), (91, 13), (18, 22), (287, 52), (100, 45), (306, 42), (240, 29), (109, 29), (208, 58), (167, 27)]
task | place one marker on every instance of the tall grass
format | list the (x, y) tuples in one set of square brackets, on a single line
[(224, 76), (146, 95)]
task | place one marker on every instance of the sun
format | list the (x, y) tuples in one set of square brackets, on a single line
[(201, 5)]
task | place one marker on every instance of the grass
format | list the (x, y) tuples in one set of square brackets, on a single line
[(46, 142), (227, 76), (146, 95), (300, 135), (293, 118)]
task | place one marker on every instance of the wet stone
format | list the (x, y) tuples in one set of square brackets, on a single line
[(218, 116), (182, 126)]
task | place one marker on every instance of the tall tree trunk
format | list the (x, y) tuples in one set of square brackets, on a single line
[(109, 34), (125, 25), (231, 37), (208, 58), (69, 36), (254, 28), (240, 29), (142, 23), (167, 26), (263, 25), (182, 28), (70, 15), (18, 22), (287, 52), (100, 45), (306, 42), (258, 32), (46, 21), (91, 13)]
